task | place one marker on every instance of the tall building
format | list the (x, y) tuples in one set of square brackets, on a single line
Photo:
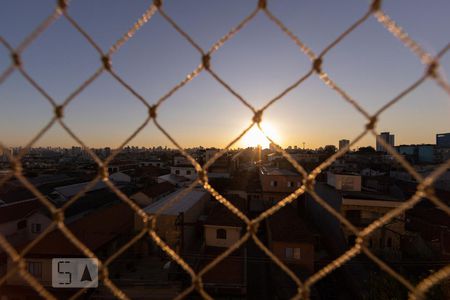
[(388, 138), (443, 140), (343, 143)]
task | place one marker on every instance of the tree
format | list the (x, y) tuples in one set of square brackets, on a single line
[(330, 149), (368, 149)]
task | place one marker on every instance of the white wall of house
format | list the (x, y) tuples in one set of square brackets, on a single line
[(232, 236), (188, 172), (16, 235), (151, 163), (344, 182)]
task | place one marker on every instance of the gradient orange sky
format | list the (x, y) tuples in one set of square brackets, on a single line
[(259, 63)]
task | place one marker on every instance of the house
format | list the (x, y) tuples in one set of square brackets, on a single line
[(102, 231), (291, 240), (177, 215), (362, 208), (278, 183), (185, 170), (152, 193), (223, 229), (20, 222), (153, 162), (344, 181)]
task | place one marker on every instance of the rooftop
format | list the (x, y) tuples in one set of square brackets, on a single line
[(277, 172), (221, 215), (366, 195), (287, 226), (183, 204), (94, 230), (69, 191), (158, 189), (18, 210)]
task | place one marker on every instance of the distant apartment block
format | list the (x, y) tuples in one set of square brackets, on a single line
[(343, 143), (388, 138), (443, 140), (418, 153)]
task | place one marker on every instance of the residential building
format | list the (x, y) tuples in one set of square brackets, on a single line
[(291, 240), (187, 171), (418, 153), (103, 238), (363, 208), (278, 183), (223, 229), (20, 222), (443, 140), (344, 181), (387, 138), (178, 214)]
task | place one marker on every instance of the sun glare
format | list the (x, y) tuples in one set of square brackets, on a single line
[(255, 137)]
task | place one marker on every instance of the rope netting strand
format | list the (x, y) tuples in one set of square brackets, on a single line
[(424, 187)]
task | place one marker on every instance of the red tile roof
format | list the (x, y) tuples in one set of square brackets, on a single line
[(94, 230), (221, 215), (287, 226), (158, 189), (18, 210)]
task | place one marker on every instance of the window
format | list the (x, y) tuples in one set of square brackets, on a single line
[(177, 172), (288, 252), (273, 183), (292, 253), (36, 228), (381, 243), (389, 242), (188, 172), (22, 224), (221, 234), (370, 243), (290, 184), (35, 269)]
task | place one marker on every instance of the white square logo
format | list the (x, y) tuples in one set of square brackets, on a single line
[(74, 273)]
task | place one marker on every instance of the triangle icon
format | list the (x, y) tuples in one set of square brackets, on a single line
[(86, 275)]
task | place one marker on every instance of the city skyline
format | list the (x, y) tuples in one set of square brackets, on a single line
[(370, 64)]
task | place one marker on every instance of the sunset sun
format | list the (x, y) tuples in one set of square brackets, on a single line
[(255, 137)]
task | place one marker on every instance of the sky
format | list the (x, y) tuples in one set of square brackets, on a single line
[(259, 63)]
